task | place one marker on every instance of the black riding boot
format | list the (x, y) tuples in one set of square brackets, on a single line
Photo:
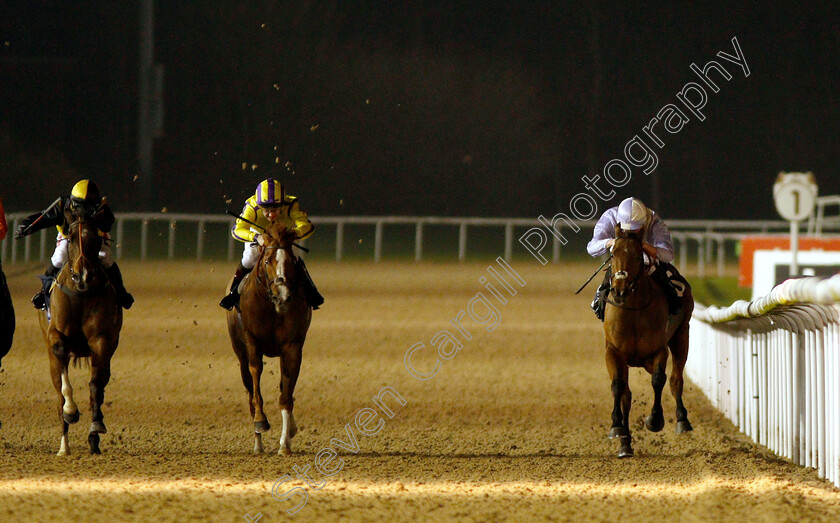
[(230, 301), (313, 297), (600, 302), (40, 299), (124, 299), (663, 276)]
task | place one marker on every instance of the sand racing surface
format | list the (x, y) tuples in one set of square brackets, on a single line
[(512, 427)]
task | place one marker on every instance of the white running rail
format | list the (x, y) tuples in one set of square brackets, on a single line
[(711, 243), (772, 366)]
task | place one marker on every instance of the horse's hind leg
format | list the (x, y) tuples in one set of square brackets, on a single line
[(290, 369), (100, 375), (679, 351), (656, 420)]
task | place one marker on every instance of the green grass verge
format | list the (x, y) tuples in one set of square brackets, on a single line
[(720, 291)]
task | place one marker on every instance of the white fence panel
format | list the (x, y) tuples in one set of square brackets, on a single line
[(772, 366)]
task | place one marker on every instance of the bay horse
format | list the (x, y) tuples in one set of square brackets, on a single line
[(7, 318), (82, 321), (271, 319), (638, 332)]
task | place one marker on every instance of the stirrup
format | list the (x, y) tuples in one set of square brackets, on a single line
[(126, 300), (40, 301)]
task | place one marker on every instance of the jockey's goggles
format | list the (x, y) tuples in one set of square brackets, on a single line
[(271, 207)]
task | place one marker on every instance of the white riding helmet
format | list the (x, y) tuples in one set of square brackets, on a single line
[(632, 214)]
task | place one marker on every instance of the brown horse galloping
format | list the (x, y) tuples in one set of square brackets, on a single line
[(84, 322), (272, 320), (638, 332)]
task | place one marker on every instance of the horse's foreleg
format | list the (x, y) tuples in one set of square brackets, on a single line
[(245, 374), (100, 375), (679, 350), (618, 376), (68, 412), (290, 368), (655, 421), (255, 368)]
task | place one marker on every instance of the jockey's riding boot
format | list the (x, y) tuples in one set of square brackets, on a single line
[(40, 299), (313, 297), (661, 275), (600, 302), (124, 299), (229, 301)]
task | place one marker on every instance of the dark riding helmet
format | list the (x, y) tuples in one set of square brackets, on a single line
[(85, 194)]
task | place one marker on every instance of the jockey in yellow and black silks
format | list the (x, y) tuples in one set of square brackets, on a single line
[(84, 201), (269, 204)]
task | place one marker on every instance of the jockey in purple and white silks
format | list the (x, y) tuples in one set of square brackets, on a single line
[(632, 215)]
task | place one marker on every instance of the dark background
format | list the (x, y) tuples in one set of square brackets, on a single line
[(424, 108)]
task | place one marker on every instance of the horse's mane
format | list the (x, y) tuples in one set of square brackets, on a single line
[(281, 234)]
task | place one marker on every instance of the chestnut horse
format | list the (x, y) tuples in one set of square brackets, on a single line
[(83, 321), (272, 320), (638, 332)]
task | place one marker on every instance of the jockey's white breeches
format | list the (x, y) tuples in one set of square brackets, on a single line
[(250, 255), (59, 257)]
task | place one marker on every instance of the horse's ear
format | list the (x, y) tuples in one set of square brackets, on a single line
[(619, 232)]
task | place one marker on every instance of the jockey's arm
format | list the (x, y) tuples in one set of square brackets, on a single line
[(603, 235), (660, 239), (241, 229), (53, 217), (303, 227), (104, 217)]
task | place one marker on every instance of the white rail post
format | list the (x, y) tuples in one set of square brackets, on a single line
[(199, 242), (418, 241), (43, 239), (462, 241), (120, 237), (508, 241), (377, 242), (144, 236), (339, 240), (170, 248)]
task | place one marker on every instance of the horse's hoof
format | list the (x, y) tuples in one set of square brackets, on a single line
[(70, 418), (93, 441), (97, 427), (625, 452), (617, 432), (261, 426), (683, 426), (655, 423), (285, 451)]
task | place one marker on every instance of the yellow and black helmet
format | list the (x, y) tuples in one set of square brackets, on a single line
[(86, 193), (270, 193)]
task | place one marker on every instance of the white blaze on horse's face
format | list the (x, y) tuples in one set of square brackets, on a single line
[(281, 294)]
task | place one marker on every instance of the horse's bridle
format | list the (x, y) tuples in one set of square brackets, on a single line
[(278, 280), (624, 275), (76, 277)]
